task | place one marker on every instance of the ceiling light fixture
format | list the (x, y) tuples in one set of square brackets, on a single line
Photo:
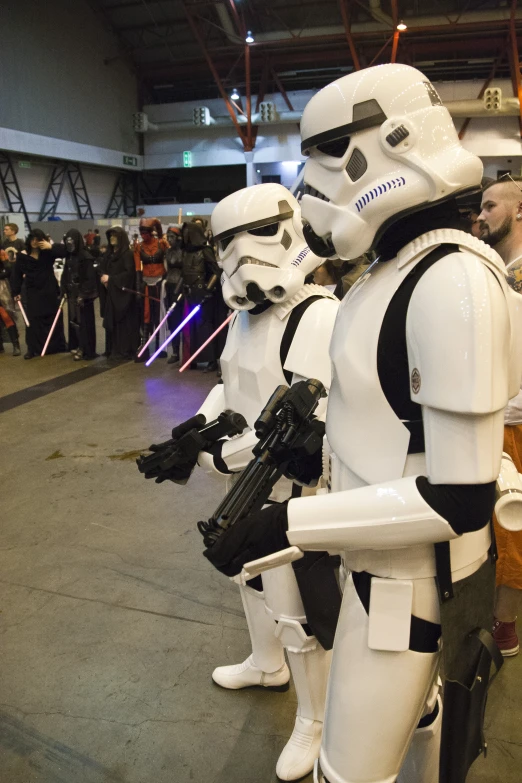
[(235, 95), (249, 37), (401, 26)]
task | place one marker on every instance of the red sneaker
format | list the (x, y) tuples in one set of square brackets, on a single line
[(505, 636)]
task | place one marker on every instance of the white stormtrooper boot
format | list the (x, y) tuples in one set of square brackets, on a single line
[(310, 668), (266, 666)]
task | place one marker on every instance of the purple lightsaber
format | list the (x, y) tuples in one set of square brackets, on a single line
[(176, 331), (156, 330)]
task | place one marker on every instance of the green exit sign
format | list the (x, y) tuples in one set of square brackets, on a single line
[(130, 160), (187, 159), (24, 164)]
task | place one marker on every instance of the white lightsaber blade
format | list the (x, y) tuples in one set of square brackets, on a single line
[(53, 326), (24, 315), (225, 322), (176, 331), (156, 330)]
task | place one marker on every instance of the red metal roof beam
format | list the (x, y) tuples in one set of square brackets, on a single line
[(215, 74), (345, 7)]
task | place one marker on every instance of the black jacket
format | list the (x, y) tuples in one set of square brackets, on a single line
[(37, 275), (78, 276)]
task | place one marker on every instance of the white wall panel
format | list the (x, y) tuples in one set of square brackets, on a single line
[(60, 75), (47, 146)]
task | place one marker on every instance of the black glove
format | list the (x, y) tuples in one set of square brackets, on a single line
[(257, 535), (179, 472), (306, 464)]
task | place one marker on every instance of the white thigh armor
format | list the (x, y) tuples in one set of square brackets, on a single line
[(462, 348)]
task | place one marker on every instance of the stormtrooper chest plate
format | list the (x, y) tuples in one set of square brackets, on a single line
[(366, 437), (250, 362)]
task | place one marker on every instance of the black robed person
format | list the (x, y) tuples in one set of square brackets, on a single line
[(117, 272), (199, 266), (35, 272), (78, 282)]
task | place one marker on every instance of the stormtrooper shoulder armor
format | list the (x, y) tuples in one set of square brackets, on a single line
[(308, 355), (458, 334)]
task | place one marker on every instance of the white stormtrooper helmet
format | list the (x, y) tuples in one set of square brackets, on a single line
[(381, 145), (261, 247)]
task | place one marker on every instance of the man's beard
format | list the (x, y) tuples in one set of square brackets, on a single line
[(492, 238)]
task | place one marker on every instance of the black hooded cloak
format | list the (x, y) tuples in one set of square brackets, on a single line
[(40, 295), (117, 305), (199, 266), (78, 282)]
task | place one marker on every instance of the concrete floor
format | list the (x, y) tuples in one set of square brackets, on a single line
[(112, 621)]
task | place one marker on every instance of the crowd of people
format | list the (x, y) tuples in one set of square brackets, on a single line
[(137, 285), (136, 282)]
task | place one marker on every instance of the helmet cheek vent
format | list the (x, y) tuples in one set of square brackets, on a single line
[(286, 240), (357, 165)]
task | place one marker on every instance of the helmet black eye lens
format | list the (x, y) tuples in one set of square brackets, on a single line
[(226, 242), (336, 148), (265, 231)]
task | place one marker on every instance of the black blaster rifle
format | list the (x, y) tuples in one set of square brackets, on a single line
[(290, 443), (175, 458)]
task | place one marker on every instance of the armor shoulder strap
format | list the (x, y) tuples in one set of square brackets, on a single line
[(290, 330), (392, 353)]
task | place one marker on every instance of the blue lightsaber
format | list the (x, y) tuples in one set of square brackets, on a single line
[(174, 333)]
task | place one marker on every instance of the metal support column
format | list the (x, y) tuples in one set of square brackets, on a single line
[(249, 144), (395, 46), (54, 191), (79, 191), (13, 194), (124, 197)]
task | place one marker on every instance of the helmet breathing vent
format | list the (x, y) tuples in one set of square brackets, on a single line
[(286, 240), (357, 165), (397, 135)]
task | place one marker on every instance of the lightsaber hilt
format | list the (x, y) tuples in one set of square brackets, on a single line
[(138, 293)]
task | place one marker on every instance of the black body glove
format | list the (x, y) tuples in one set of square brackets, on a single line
[(257, 535)]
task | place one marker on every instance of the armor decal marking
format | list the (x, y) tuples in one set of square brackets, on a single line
[(415, 381), (300, 257), (378, 191)]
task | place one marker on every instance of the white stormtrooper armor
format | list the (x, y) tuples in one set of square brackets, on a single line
[(262, 253), (381, 147)]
